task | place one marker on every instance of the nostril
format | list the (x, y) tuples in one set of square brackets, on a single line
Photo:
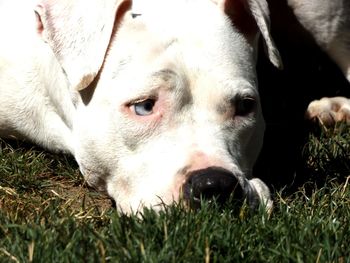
[(212, 183)]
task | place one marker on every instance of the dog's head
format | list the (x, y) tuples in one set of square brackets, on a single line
[(170, 105)]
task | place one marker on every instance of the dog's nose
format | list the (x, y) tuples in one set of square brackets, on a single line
[(211, 183)]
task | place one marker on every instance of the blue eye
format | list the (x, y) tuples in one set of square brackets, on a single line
[(144, 108)]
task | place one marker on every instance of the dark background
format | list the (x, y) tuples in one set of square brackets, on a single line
[(308, 74)]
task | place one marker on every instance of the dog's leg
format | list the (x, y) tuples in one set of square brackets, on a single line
[(328, 111), (329, 24)]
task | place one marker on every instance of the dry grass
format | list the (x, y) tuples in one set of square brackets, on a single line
[(48, 214)]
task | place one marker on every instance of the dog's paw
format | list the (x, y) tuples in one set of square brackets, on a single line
[(328, 111)]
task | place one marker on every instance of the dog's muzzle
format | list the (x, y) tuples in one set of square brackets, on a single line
[(212, 183)]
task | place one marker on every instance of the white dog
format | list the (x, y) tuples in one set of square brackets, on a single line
[(155, 102)]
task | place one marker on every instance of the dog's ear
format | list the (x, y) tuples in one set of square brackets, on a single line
[(79, 33), (251, 17)]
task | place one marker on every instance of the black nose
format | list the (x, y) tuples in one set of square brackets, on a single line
[(211, 183)]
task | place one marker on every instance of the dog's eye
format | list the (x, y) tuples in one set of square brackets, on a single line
[(144, 108), (245, 106)]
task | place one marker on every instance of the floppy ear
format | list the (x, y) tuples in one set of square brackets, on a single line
[(79, 33), (252, 17)]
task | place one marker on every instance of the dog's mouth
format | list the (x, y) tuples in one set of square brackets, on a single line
[(212, 184)]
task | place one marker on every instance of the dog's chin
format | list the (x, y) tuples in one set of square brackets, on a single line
[(131, 197), (132, 205), (94, 179), (254, 192)]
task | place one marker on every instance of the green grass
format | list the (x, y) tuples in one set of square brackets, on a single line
[(327, 152), (47, 214)]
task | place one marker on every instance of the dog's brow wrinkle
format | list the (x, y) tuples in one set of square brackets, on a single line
[(164, 73), (121, 65), (134, 15), (171, 42)]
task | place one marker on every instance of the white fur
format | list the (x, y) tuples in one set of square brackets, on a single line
[(184, 54)]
